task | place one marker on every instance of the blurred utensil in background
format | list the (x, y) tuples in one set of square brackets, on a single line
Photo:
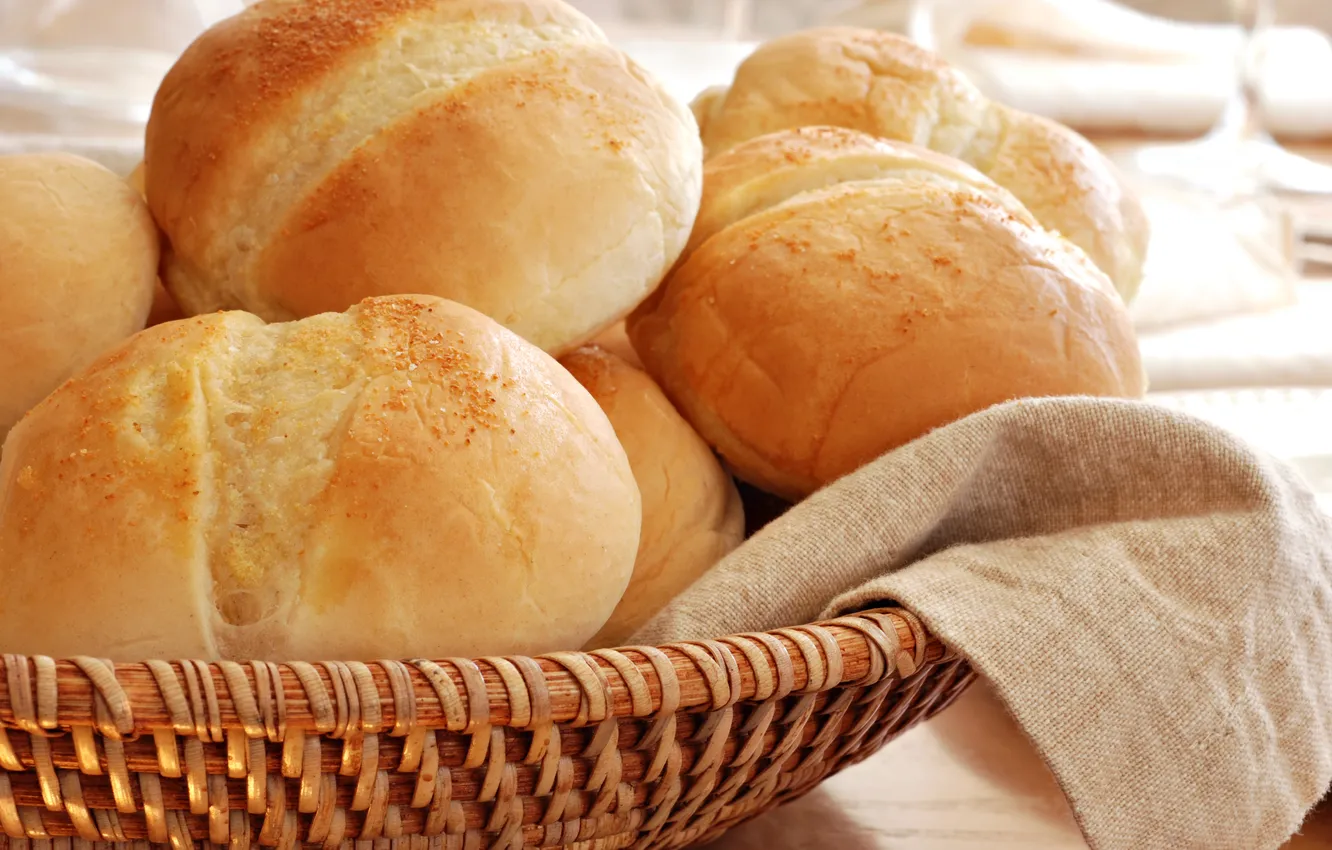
[(1239, 156)]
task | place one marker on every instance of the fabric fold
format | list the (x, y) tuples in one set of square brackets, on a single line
[(1150, 596)]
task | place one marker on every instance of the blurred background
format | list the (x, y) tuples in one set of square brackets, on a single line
[(1219, 112)]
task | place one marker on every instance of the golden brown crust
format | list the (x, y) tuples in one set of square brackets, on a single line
[(233, 85), (265, 142), (405, 478), (78, 260), (809, 337), (882, 84), (492, 242), (778, 166), (692, 513)]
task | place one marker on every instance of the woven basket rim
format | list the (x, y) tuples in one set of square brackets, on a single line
[(678, 742), (42, 695)]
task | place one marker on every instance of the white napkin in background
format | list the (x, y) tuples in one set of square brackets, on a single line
[(1098, 65), (1285, 347), (1207, 263)]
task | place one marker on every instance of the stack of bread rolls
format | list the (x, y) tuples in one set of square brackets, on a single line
[(882, 84), (458, 343)]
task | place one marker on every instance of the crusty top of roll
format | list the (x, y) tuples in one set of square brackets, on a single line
[(883, 84), (779, 166), (230, 110), (854, 293), (404, 479), (692, 514), (501, 153), (78, 260)]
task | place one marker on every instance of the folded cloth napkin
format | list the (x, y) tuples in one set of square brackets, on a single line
[(1208, 261), (1150, 596)]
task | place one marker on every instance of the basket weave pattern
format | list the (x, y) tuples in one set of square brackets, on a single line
[(640, 747)]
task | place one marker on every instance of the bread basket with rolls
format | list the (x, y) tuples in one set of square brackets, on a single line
[(460, 362)]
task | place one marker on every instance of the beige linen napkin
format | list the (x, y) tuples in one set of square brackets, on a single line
[(1151, 598)]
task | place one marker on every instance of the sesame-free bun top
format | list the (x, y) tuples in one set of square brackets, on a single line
[(692, 514), (883, 84), (501, 153), (78, 261), (404, 479), (844, 295)]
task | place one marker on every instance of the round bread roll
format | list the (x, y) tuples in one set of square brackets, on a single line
[(692, 514), (404, 479), (883, 84), (499, 153), (843, 295), (78, 260)]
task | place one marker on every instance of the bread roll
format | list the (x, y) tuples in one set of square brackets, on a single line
[(692, 514), (704, 103), (78, 257), (883, 84), (615, 340), (404, 479), (500, 153), (843, 295)]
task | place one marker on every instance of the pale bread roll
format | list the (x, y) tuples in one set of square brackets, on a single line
[(692, 514), (843, 295), (78, 258), (881, 83), (500, 153), (404, 479)]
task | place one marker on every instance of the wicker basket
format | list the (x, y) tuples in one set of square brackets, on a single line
[(637, 747)]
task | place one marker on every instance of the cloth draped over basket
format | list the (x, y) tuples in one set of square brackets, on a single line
[(1150, 597)]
